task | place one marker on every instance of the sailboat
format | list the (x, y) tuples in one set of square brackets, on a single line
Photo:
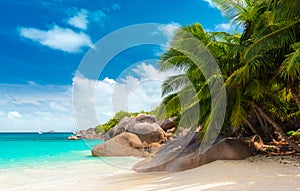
[(40, 130)]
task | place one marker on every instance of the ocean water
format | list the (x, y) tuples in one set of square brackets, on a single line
[(30, 161), (31, 149)]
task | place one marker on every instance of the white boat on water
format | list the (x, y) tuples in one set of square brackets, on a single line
[(75, 136), (40, 130)]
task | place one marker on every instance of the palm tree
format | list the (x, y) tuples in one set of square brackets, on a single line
[(257, 66), (194, 84), (187, 85), (273, 31), (290, 72)]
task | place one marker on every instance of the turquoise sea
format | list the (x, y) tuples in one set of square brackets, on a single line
[(32, 161), (30, 149)]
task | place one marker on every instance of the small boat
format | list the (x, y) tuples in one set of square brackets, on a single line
[(40, 130), (76, 136), (72, 137)]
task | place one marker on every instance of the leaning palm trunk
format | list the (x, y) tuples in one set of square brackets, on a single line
[(263, 126), (295, 92), (251, 127), (278, 128)]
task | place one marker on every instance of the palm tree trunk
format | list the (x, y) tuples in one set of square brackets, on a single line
[(295, 92), (268, 135), (251, 127), (277, 127)]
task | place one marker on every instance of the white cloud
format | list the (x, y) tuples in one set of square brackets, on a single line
[(224, 27), (97, 16), (116, 6), (110, 81), (51, 106), (13, 115), (85, 92), (57, 106), (82, 18), (58, 38), (137, 89), (169, 29), (210, 2), (148, 71), (79, 20), (34, 94), (2, 113)]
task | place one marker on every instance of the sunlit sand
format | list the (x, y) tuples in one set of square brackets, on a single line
[(256, 173)]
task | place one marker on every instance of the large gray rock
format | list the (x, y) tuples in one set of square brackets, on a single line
[(167, 124), (149, 132), (119, 128), (143, 126), (125, 144), (171, 157), (144, 118)]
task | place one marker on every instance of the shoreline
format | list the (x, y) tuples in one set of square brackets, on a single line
[(261, 171), (265, 173)]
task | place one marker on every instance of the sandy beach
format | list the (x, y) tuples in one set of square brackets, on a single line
[(255, 173)]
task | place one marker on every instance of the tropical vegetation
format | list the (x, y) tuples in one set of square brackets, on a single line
[(103, 128), (260, 69)]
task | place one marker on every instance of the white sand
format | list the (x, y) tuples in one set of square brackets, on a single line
[(256, 173)]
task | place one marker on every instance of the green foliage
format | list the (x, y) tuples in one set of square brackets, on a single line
[(110, 124), (290, 68), (121, 114), (98, 129), (290, 133), (294, 135), (115, 120), (260, 67)]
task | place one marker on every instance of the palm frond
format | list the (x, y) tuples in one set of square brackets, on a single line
[(233, 9), (280, 38), (225, 37), (238, 114), (287, 9), (290, 69), (170, 105), (255, 89), (174, 83), (174, 59), (256, 68)]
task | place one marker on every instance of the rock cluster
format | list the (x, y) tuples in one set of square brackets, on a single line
[(124, 144), (135, 136), (145, 136), (172, 157)]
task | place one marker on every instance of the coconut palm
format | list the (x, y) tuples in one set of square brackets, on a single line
[(272, 35), (189, 83), (257, 66), (193, 84)]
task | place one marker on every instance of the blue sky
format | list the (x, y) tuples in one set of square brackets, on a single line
[(43, 43)]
